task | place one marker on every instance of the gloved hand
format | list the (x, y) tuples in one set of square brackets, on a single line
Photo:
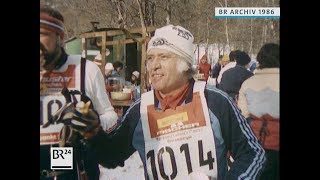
[(82, 119), (64, 113)]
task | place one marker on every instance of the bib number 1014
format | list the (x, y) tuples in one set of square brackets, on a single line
[(184, 148)]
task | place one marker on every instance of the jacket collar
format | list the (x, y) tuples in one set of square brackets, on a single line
[(188, 97)]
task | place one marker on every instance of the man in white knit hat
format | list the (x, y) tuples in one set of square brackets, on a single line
[(181, 127)]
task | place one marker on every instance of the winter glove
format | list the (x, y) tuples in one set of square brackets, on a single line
[(82, 119), (63, 113)]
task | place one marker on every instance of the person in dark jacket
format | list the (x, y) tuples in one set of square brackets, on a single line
[(233, 78), (181, 129), (216, 68)]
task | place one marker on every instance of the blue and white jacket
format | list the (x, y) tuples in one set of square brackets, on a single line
[(231, 133)]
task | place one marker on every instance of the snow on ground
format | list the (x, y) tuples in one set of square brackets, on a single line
[(132, 170)]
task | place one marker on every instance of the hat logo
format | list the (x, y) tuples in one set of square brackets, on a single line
[(159, 42), (182, 33)]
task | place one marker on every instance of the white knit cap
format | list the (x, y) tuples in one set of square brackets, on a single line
[(175, 39), (136, 73), (109, 66)]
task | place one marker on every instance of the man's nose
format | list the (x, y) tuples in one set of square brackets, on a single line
[(156, 64)]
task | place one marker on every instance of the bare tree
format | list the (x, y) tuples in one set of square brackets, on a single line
[(168, 10), (195, 15)]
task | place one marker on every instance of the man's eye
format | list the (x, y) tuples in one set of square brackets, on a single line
[(164, 57), (149, 60)]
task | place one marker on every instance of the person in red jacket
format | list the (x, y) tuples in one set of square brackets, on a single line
[(204, 67)]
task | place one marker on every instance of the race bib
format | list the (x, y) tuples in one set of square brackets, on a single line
[(51, 100), (178, 142)]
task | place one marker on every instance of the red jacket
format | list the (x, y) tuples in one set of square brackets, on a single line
[(205, 69)]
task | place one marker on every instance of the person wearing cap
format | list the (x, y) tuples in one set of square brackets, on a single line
[(107, 72), (227, 63), (63, 71), (233, 78), (135, 80), (181, 128), (224, 60)]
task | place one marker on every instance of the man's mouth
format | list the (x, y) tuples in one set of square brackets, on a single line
[(157, 76)]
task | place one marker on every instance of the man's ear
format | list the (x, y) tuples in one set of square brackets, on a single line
[(62, 44), (60, 41)]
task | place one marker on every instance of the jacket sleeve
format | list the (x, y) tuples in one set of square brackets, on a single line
[(112, 149), (242, 101), (215, 70), (225, 84), (96, 91), (248, 155)]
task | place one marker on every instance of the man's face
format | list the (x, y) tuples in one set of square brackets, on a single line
[(49, 40), (223, 63), (119, 69), (162, 69)]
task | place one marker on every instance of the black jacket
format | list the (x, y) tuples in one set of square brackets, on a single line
[(232, 80)]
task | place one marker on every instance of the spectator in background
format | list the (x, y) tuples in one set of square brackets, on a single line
[(212, 81), (224, 61), (233, 78), (259, 102), (108, 69), (115, 77), (118, 67), (230, 64), (216, 68), (135, 80), (107, 72), (204, 67)]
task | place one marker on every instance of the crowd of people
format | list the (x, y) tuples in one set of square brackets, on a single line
[(182, 128)]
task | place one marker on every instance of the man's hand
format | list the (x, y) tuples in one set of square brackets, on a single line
[(82, 119)]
